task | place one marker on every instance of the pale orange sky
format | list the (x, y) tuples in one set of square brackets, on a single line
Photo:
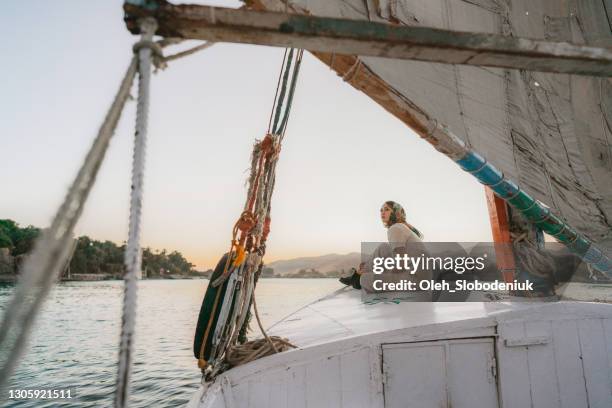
[(343, 154)]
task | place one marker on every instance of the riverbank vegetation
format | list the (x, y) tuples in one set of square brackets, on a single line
[(90, 256), (95, 260)]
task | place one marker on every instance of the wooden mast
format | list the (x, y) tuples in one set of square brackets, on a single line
[(500, 227)]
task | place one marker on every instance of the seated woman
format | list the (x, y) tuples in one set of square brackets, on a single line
[(403, 239)]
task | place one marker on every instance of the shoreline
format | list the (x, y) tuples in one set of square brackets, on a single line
[(95, 278)]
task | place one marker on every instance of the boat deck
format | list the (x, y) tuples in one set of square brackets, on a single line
[(353, 353), (343, 314)]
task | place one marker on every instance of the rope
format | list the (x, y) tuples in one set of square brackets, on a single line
[(280, 75), (249, 351), (263, 331), (51, 251), (188, 52), (254, 349), (296, 71), (155, 48), (166, 41), (133, 256), (281, 98), (159, 60), (352, 71), (253, 226), (259, 211), (254, 160)]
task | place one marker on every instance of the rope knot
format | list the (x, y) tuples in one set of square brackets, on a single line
[(156, 50), (270, 146), (267, 144), (246, 222), (352, 72)]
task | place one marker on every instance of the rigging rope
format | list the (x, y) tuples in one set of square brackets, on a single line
[(281, 98), (133, 255), (252, 350), (296, 70), (51, 251), (280, 76), (189, 51), (249, 235)]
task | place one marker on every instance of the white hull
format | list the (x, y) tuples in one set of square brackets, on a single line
[(459, 355)]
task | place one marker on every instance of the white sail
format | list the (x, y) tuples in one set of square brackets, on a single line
[(550, 133)]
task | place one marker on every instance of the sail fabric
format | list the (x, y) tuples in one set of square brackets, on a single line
[(550, 133)]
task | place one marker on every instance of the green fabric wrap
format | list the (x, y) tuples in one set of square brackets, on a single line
[(210, 311)]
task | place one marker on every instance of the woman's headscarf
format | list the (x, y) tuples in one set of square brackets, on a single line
[(398, 215)]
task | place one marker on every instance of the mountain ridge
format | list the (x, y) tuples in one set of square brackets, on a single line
[(322, 263)]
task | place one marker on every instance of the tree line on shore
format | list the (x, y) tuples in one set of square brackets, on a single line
[(105, 258), (91, 256)]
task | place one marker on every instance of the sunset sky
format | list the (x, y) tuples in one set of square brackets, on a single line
[(342, 157)]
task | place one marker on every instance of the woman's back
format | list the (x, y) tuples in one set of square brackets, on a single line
[(399, 234)]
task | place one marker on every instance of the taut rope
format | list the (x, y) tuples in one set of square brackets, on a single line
[(41, 268), (52, 249), (249, 235), (133, 256)]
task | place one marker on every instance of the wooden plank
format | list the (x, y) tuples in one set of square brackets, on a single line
[(377, 397), (596, 369), (217, 402), (355, 368), (228, 394), (607, 323), (322, 377), (296, 387), (542, 368), (278, 390), (569, 373), (470, 376), (374, 39), (514, 381), (259, 393), (240, 393)]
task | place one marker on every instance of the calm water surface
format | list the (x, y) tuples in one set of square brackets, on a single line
[(76, 338)]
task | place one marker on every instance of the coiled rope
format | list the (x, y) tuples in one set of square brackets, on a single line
[(254, 349), (239, 354)]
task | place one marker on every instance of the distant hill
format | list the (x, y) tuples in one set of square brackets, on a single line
[(324, 263)]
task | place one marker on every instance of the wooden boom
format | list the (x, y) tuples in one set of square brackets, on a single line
[(366, 38)]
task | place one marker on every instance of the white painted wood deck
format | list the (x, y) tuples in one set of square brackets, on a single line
[(425, 355)]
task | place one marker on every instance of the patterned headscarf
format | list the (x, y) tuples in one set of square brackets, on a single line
[(398, 215)]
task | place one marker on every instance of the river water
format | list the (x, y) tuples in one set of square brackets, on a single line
[(74, 344), (76, 338)]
